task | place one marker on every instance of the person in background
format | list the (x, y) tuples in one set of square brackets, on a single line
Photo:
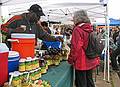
[(57, 31), (114, 55), (83, 66), (115, 34), (68, 34), (45, 27), (27, 23)]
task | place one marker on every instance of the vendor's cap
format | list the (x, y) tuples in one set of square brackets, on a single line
[(37, 9)]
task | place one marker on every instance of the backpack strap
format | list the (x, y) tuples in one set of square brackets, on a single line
[(81, 24)]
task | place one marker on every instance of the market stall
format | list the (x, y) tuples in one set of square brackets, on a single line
[(56, 73), (26, 65)]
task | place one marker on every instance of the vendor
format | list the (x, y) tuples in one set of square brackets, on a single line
[(46, 28), (27, 23)]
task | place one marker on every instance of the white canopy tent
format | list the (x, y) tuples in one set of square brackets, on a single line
[(56, 10), (14, 2)]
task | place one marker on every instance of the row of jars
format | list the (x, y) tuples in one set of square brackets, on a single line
[(53, 62), (20, 78), (28, 64)]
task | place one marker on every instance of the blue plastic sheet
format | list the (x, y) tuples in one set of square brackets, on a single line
[(60, 76)]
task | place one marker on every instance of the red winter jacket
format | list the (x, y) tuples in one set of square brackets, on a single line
[(79, 43)]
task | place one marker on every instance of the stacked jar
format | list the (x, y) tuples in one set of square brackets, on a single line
[(36, 74), (43, 69), (28, 65), (33, 64), (32, 75), (22, 65), (16, 80), (39, 71), (37, 62), (25, 75)]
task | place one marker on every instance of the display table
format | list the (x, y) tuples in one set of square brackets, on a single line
[(60, 76)]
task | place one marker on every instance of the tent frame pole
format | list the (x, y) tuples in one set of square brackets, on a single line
[(107, 56), (108, 51), (0, 22)]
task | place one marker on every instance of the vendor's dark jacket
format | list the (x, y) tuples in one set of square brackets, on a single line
[(31, 28)]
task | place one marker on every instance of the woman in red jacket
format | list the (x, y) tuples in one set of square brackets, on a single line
[(83, 65)]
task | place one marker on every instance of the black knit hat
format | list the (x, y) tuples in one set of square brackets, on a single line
[(36, 9)]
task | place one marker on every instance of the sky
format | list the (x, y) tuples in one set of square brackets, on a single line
[(114, 8)]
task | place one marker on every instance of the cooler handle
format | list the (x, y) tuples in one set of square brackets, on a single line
[(13, 40)]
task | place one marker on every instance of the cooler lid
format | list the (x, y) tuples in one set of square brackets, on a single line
[(13, 54), (21, 35), (3, 48)]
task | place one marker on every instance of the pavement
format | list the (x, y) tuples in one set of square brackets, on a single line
[(98, 78), (114, 80)]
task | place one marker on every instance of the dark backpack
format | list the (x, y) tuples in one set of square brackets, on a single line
[(94, 48)]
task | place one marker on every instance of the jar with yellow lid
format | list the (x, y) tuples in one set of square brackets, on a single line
[(39, 71), (46, 65), (48, 62), (22, 65), (37, 74), (25, 85), (33, 64), (21, 76), (37, 62), (28, 65), (43, 69), (32, 75), (16, 80), (25, 75)]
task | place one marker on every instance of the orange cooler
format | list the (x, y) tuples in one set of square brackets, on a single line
[(24, 44), (3, 63)]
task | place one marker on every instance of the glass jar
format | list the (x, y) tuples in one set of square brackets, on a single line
[(25, 75), (37, 62), (16, 80), (28, 65), (43, 70), (21, 76), (25, 85), (32, 75), (33, 64), (37, 74), (39, 71), (22, 65)]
